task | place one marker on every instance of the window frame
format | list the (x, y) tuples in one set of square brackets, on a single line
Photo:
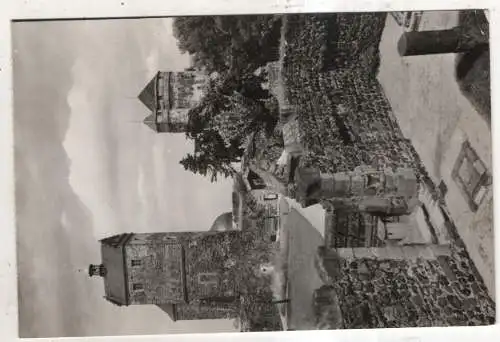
[(469, 192)]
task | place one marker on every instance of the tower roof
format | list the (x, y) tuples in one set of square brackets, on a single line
[(150, 121), (117, 240), (148, 94), (113, 267)]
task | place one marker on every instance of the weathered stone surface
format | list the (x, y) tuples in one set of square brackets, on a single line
[(346, 253), (425, 252), (393, 252), (440, 250), (413, 292), (326, 305), (407, 180), (342, 183), (362, 253), (410, 252), (357, 185)]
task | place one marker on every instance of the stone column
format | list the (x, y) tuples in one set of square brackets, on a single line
[(455, 40), (367, 183)]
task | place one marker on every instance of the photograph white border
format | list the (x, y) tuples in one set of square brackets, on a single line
[(47, 9)]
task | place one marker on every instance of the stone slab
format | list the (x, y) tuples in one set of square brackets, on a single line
[(345, 253), (440, 250), (364, 253), (410, 252), (393, 252), (426, 253)]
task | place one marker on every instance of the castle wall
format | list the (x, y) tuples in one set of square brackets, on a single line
[(197, 311), (209, 259), (187, 88), (211, 266), (409, 286), (351, 229), (178, 115), (155, 274), (353, 126)]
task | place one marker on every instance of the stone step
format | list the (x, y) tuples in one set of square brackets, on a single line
[(433, 212)]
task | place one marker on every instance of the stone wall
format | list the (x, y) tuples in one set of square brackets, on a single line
[(345, 121), (335, 120), (410, 286), (186, 88), (155, 273), (210, 264), (195, 311), (343, 118), (351, 229), (357, 40), (219, 267)]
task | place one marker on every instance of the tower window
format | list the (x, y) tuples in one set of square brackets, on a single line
[(207, 278), (138, 287), (136, 263)]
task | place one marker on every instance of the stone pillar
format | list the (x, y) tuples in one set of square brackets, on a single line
[(386, 192), (382, 192), (455, 40), (367, 183)]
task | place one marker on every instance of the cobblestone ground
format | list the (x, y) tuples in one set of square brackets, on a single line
[(432, 112), (404, 293)]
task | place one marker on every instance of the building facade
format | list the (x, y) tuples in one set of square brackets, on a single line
[(189, 275), (169, 96)]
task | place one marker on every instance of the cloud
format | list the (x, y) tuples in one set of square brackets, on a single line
[(83, 173), (87, 149), (152, 62)]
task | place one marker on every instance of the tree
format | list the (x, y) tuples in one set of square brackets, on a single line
[(207, 165), (212, 156), (220, 43)]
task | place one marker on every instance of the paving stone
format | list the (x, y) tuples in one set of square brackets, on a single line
[(410, 252), (363, 252), (345, 253), (394, 252), (425, 252), (440, 250)]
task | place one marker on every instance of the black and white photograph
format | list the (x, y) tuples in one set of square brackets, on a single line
[(256, 172)]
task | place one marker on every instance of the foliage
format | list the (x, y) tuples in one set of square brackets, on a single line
[(222, 121), (221, 43), (235, 103), (257, 309), (206, 165), (333, 140), (323, 42)]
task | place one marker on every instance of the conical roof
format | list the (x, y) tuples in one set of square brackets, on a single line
[(148, 94), (150, 121)]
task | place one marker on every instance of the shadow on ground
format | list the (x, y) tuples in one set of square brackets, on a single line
[(303, 278), (473, 67)]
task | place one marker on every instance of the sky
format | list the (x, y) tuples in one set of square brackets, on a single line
[(86, 168)]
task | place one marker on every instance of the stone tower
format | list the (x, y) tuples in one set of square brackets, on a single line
[(169, 96), (189, 275)]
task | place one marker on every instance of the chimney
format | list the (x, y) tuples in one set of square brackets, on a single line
[(97, 270)]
